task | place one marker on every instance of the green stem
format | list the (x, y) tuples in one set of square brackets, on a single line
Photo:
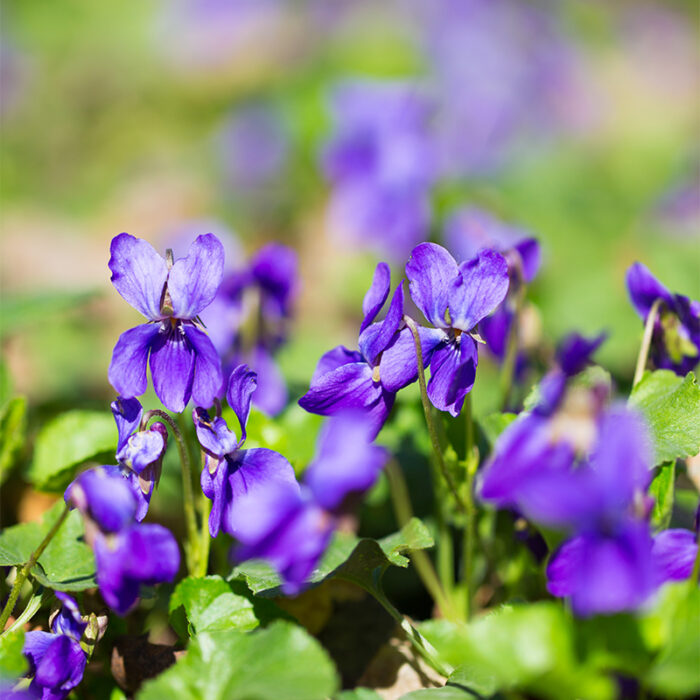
[(26, 569), (419, 642), (31, 609), (192, 546), (427, 410), (646, 342), (513, 343), (471, 462), (424, 567)]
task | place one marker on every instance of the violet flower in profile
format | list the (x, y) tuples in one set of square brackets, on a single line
[(139, 452), (127, 554), (56, 659), (675, 342), (170, 295), (230, 472), (454, 298), (386, 362), (380, 162), (292, 529), (674, 553)]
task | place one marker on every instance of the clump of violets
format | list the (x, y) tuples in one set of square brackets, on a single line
[(675, 341), (380, 163), (56, 659), (291, 528), (368, 379), (231, 473), (170, 294), (454, 298), (128, 554)]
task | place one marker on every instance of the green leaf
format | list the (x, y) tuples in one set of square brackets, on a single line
[(356, 560), (661, 489), (494, 424), (68, 441), (527, 648), (13, 663), (671, 405), (676, 670), (359, 694), (211, 603), (13, 433), (281, 661), (22, 311), (67, 563)]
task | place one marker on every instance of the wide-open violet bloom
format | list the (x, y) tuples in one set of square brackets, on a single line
[(248, 320), (386, 362), (139, 452), (232, 473), (170, 295), (56, 659), (127, 554), (454, 298), (675, 343), (292, 529), (381, 164)]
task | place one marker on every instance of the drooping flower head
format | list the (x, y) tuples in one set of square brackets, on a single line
[(675, 343), (454, 298), (170, 295), (386, 362), (381, 165), (56, 659), (127, 553), (230, 472), (292, 529)]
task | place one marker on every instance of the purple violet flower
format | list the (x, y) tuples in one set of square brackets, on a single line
[(380, 161), (183, 360), (675, 343), (231, 473), (454, 298), (56, 659), (674, 553), (292, 529), (127, 554), (386, 362)]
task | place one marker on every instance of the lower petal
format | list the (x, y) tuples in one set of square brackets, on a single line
[(208, 376), (452, 375), (127, 370), (172, 368), (398, 366)]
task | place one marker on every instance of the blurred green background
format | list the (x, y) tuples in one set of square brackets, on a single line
[(112, 115)]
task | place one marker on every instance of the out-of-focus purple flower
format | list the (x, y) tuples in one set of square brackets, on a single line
[(678, 210), (139, 452), (386, 362), (674, 553), (248, 320), (183, 361), (127, 553), (502, 71), (292, 528), (56, 659), (254, 147), (454, 298), (675, 342), (232, 473), (380, 162)]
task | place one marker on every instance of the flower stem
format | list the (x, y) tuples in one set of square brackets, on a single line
[(193, 542), (513, 342), (427, 409), (424, 567), (471, 462), (26, 569), (646, 342)]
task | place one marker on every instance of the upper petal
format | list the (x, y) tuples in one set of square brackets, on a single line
[(208, 376), (530, 256), (138, 273), (431, 271), (644, 289), (172, 368), (195, 279), (127, 415), (452, 374), (376, 294), (479, 288), (575, 352), (241, 385), (127, 370), (274, 267), (271, 393), (375, 338)]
